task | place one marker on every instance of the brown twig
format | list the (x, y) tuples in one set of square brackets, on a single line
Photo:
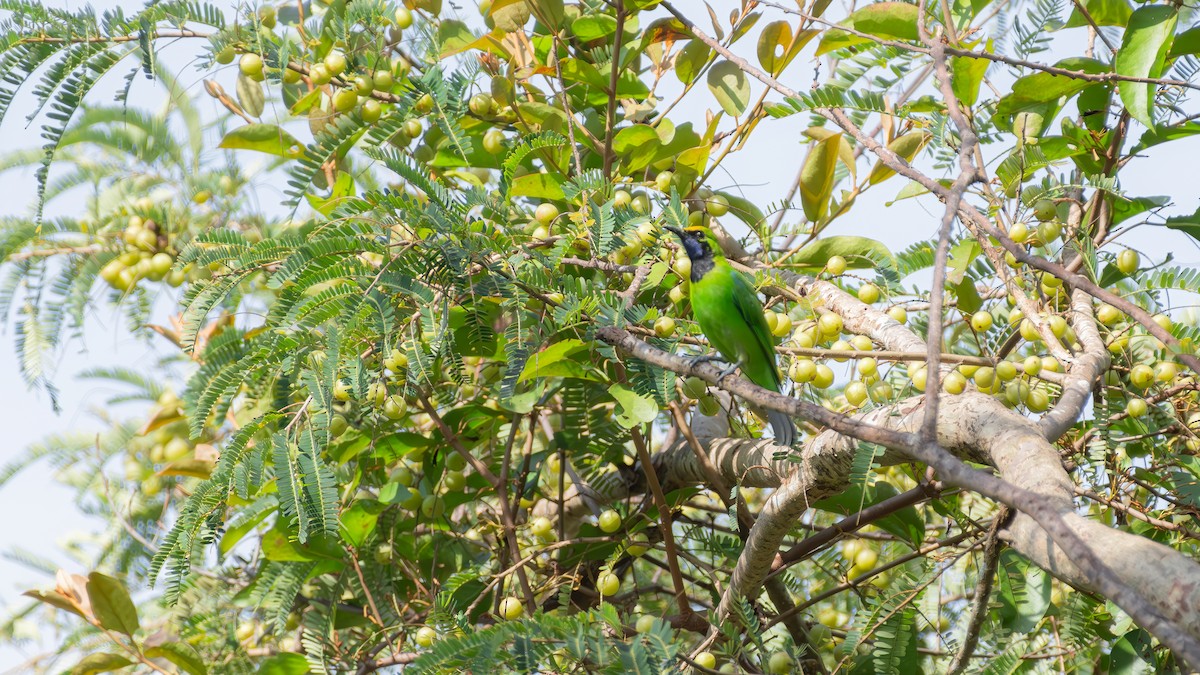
[(983, 590)]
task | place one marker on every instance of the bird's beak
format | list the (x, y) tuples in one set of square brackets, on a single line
[(674, 230)]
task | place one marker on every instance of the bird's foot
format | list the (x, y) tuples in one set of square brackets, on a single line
[(703, 358), (727, 372)]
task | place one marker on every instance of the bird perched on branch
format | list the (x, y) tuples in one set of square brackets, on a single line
[(731, 317)]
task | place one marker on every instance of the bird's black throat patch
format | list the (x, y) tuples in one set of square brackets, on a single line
[(701, 267)]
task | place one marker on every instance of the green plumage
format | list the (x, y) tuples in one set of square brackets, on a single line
[(731, 316), (729, 313)]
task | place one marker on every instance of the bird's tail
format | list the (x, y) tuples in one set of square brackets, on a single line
[(782, 426)]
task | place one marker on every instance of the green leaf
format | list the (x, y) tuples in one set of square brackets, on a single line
[(549, 12), (1160, 135), (557, 360), (1143, 53), (966, 75), (545, 186), (511, 16), (1187, 42), (1126, 661), (961, 256), (886, 20), (182, 655), (111, 604), (358, 522), (1189, 225), (453, 37), (1033, 91), (816, 177), (907, 146), (639, 145), (102, 662), (859, 252), (1103, 12), (628, 139), (284, 664), (55, 599), (263, 138), (690, 60), (778, 45), (729, 85), (744, 210), (634, 409), (594, 26), (250, 95)]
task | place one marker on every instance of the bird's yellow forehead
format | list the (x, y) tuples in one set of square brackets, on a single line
[(696, 228)]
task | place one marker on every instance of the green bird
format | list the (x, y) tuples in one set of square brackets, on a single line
[(731, 317)]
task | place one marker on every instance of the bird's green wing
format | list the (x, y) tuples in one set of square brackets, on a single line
[(760, 355)]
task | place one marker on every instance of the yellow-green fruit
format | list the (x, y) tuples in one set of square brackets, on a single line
[(1044, 209), (404, 18), (1107, 314), (424, 105), (383, 80), (1006, 370), (868, 293), (706, 660), (1032, 365), (1051, 364), (1141, 376), (780, 663), (637, 546), (341, 391), (608, 584), (1016, 392), (225, 56), (664, 327), (717, 206), (493, 141), (1049, 231), (898, 313), (425, 636), (609, 521), (545, 213), (372, 110), (160, 264), (266, 14), (335, 62), (622, 199), (1037, 401), (984, 377), (1128, 261), (344, 100), (1163, 321), (862, 343), (836, 265), (338, 425), (480, 104), (920, 378), (830, 324), (694, 387), (841, 346), (645, 623), (981, 321), (1136, 407), (1029, 331), (802, 370), (1019, 232), (511, 608), (433, 507), (663, 181), (1166, 371), (954, 383), (454, 481), (251, 65), (319, 74), (868, 366), (880, 392), (824, 377), (856, 393)]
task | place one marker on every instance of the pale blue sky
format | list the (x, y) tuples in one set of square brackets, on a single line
[(40, 512)]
